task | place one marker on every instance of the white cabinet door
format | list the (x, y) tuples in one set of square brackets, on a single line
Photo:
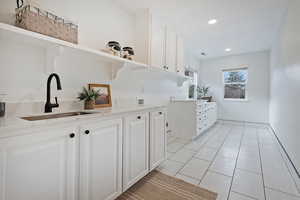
[(157, 45), (180, 56), (136, 149), (101, 160), (171, 38), (39, 166), (157, 138)]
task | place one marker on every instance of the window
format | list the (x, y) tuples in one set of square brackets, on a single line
[(235, 84)]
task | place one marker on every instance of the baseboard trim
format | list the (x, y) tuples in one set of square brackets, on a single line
[(248, 122), (284, 150)]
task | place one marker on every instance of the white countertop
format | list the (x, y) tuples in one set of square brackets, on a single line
[(184, 100), (190, 100), (14, 124)]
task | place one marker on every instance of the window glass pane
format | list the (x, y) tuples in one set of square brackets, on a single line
[(239, 76), (235, 91)]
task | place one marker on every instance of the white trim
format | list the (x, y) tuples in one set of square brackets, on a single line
[(234, 83), (242, 67), (239, 100)]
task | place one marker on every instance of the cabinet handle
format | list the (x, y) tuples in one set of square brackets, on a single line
[(139, 117), (72, 135), (87, 132)]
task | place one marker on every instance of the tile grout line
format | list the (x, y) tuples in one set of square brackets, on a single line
[(260, 150), (192, 158), (261, 167), (249, 171), (285, 160), (245, 195), (206, 171), (281, 152), (278, 190), (236, 161)]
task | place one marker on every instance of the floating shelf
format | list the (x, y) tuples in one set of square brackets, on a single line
[(56, 47)]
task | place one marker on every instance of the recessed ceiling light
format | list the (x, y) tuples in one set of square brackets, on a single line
[(212, 21), (228, 50)]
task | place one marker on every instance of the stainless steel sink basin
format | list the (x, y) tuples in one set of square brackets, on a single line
[(54, 116)]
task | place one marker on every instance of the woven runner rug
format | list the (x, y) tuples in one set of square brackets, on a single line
[(158, 186)]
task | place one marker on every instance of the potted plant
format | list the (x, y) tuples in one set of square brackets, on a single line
[(203, 92), (88, 96)]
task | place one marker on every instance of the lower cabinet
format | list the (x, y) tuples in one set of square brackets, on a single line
[(101, 160), (189, 119), (38, 166), (157, 138), (95, 161), (136, 148)]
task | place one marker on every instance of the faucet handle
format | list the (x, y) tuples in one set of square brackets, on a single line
[(56, 101)]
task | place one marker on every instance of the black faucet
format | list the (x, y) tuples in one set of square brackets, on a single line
[(49, 105)]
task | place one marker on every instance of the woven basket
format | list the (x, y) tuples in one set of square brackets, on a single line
[(43, 22)]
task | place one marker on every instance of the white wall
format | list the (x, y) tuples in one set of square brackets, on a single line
[(256, 108), (99, 20), (22, 74), (285, 83)]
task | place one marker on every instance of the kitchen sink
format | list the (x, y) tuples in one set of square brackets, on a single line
[(54, 116)]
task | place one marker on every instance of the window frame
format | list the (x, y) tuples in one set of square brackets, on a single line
[(242, 83)]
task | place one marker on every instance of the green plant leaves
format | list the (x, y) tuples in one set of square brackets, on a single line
[(88, 94)]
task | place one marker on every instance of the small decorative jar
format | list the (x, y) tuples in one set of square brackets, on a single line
[(114, 48), (128, 53), (2, 105)]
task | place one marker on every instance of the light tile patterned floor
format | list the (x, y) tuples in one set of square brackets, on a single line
[(239, 161)]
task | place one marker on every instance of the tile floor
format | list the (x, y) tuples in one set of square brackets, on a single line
[(239, 161)]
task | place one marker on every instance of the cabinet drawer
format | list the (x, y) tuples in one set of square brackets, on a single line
[(201, 106), (201, 118), (199, 113)]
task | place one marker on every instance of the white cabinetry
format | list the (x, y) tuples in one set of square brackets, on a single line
[(157, 138), (180, 56), (136, 148), (156, 44), (189, 119), (206, 116), (101, 160), (171, 51), (89, 160), (38, 166)]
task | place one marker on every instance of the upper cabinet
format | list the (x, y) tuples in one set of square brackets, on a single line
[(180, 55), (171, 51), (157, 44)]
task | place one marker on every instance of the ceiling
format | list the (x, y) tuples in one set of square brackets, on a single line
[(243, 25)]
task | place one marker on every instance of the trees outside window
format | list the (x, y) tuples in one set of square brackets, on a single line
[(235, 84)]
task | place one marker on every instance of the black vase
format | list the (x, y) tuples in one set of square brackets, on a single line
[(2, 109)]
